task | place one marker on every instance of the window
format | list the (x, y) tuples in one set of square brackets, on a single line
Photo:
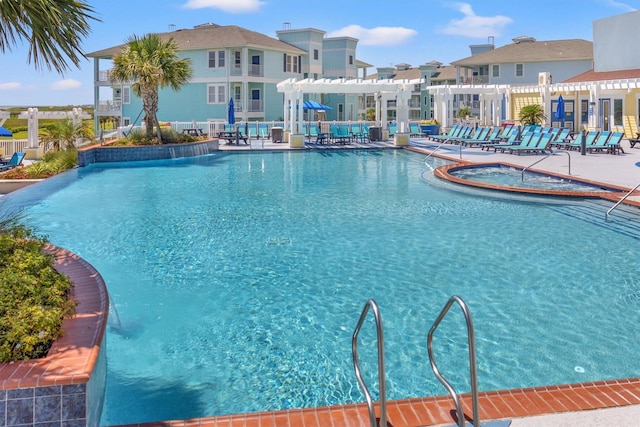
[(617, 112), (350, 59), (495, 70), (126, 95), (216, 94), (216, 59), (291, 63), (316, 55), (519, 70), (237, 59)]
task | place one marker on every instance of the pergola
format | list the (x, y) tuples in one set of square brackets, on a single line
[(383, 90)]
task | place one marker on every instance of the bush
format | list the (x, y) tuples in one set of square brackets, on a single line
[(33, 296), (169, 136), (52, 163)]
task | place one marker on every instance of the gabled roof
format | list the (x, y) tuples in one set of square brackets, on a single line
[(594, 76), (213, 37), (444, 73), (409, 74), (532, 51)]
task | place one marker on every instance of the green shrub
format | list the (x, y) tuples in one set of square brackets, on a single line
[(52, 163), (33, 296)]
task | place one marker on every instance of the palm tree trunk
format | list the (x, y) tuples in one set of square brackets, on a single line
[(150, 106)]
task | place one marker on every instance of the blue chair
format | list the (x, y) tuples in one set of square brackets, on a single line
[(14, 162)]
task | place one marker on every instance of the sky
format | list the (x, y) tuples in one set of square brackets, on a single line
[(389, 32)]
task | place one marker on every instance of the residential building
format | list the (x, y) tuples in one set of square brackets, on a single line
[(523, 62), (230, 62)]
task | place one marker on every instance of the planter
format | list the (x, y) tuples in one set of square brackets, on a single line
[(67, 386), (430, 129)]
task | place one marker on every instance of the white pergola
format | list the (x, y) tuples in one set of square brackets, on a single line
[(32, 115), (491, 97), (383, 90)]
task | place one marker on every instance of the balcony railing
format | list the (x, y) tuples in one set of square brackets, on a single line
[(256, 70), (106, 107)]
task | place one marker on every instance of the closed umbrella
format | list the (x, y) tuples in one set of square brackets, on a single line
[(232, 112), (5, 132), (560, 110)]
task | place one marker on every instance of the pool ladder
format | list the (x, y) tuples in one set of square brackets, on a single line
[(371, 304), (374, 422)]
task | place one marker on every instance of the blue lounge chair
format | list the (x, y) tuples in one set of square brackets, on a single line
[(614, 146), (600, 143), (590, 138), (14, 162), (539, 143)]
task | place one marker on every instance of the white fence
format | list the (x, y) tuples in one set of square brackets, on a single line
[(10, 146)]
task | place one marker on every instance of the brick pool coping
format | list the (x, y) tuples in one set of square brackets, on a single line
[(71, 358), (67, 386)]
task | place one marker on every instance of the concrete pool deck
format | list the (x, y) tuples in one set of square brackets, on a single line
[(603, 403)]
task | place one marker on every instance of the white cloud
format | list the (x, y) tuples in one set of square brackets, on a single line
[(621, 5), (473, 25), (229, 6), (378, 36), (10, 86), (66, 84)]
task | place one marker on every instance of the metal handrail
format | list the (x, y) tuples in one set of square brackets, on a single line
[(371, 304), (545, 158), (472, 362), (606, 215), (437, 148)]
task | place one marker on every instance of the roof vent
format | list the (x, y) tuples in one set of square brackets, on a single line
[(206, 24), (403, 66), (523, 39), (286, 26)]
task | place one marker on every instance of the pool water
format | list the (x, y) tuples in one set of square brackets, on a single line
[(238, 278), (512, 177)]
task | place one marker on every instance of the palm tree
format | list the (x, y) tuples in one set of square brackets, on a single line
[(532, 114), (63, 134), (151, 63), (53, 28)]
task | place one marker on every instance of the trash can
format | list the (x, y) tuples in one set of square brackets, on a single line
[(277, 134), (375, 133)]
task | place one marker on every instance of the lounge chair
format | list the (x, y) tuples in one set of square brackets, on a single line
[(513, 139), (478, 137), (600, 143), (14, 162), (577, 143), (539, 143), (614, 146), (453, 132), (562, 138), (414, 129), (527, 141)]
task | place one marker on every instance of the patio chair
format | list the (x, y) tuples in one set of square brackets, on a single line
[(14, 162), (600, 143), (614, 146)]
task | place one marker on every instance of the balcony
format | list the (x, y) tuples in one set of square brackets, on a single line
[(108, 108), (256, 70)]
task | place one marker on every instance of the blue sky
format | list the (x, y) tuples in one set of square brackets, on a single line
[(389, 32)]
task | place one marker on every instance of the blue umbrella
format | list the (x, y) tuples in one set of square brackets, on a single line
[(560, 109), (314, 105), (5, 132), (232, 112)]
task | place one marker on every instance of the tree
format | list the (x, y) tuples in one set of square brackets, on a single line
[(54, 30), (532, 114), (151, 63), (63, 134)]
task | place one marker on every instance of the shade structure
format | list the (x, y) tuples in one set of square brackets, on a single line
[(560, 109), (232, 112), (314, 105), (5, 132)]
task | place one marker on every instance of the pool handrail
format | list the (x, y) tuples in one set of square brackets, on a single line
[(371, 304), (606, 215), (472, 362), (545, 158)]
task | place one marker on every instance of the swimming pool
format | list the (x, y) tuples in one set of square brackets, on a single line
[(238, 280)]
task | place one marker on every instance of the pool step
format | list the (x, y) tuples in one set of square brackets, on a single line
[(624, 219)]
